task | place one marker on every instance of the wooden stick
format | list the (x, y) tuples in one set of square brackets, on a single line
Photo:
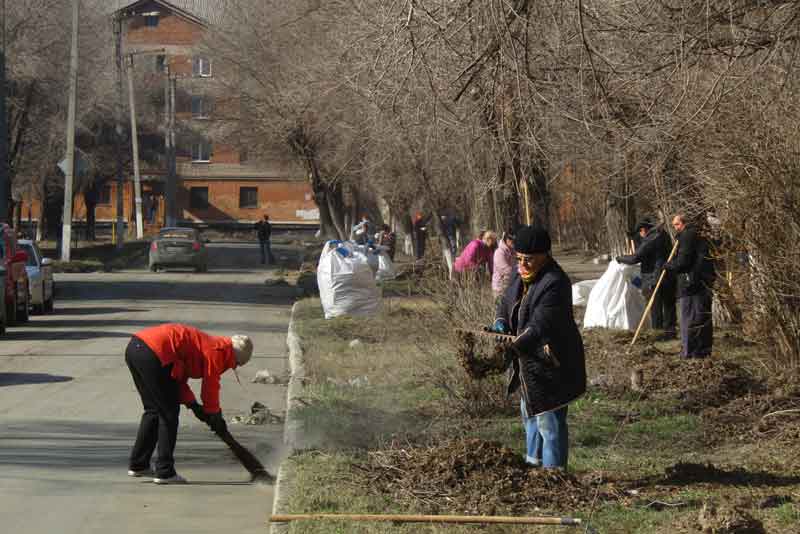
[(480, 519), (653, 296)]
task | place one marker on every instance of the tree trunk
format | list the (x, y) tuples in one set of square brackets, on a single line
[(444, 244), (616, 224)]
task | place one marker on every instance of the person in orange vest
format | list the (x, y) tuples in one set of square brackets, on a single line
[(161, 360)]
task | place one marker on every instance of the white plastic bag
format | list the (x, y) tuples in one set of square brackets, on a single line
[(581, 290), (386, 270), (346, 281), (614, 301)]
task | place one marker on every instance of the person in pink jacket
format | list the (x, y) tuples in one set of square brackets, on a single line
[(504, 264), (477, 253)]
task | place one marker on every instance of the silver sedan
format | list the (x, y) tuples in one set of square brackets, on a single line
[(178, 247), (40, 277)]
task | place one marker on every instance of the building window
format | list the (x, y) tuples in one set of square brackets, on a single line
[(198, 198), (248, 197), (151, 19), (201, 66), (201, 107), (201, 152), (161, 63), (104, 195)]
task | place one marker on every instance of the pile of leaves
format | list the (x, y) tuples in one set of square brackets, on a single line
[(472, 476), (481, 355)]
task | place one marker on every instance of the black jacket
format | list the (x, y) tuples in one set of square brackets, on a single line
[(652, 253), (692, 263), (550, 367), (264, 229)]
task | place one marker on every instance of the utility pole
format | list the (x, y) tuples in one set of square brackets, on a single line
[(66, 236), (137, 183), (172, 186), (5, 179), (120, 224)]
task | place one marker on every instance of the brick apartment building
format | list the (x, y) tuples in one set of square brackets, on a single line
[(217, 183)]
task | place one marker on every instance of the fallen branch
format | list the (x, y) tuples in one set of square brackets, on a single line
[(781, 412)]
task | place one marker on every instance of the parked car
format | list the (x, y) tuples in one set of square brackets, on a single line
[(178, 247), (14, 259), (40, 277)]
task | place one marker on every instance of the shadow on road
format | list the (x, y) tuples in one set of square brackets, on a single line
[(19, 379), (37, 334), (97, 310), (195, 291)]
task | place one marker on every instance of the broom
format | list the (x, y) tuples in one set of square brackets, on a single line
[(258, 472)]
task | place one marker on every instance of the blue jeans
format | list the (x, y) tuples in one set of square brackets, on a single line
[(546, 437)]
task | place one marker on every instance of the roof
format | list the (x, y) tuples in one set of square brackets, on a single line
[(201, 11)]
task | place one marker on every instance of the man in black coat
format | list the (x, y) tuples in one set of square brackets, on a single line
[(549, 367), (264, 231), (652, 253), (694, 270)]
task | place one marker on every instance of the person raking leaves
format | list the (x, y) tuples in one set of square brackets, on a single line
[(547, 364), (161, 360)]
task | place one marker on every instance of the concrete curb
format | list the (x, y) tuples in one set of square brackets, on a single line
[(293, 427)]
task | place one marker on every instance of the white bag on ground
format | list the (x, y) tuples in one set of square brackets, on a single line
[(346, 281), (386, 270), (581, 290), (614, 301)]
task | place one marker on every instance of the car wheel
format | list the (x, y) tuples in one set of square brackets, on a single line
[(49, 304), (22, 312), (11, 311)]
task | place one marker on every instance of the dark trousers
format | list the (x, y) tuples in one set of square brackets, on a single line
[(161, 401), (266, 252), (697, 328), (663, 314)]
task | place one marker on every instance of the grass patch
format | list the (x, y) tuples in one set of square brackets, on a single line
[(399, 386)]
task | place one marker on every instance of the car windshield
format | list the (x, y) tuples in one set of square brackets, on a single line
[(176, 234), (31, 256)]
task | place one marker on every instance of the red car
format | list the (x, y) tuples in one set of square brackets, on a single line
[(14, 260)]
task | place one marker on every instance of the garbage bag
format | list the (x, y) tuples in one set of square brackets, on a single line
[(614, 301), (581, 290), (346, 281), (386, 270)]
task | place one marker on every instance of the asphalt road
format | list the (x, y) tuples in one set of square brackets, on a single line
[(69, 410)]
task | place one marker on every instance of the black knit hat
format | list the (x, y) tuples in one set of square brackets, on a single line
[(643, 224), (531, 240)]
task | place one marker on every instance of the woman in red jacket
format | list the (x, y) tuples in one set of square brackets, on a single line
[(161, 360)]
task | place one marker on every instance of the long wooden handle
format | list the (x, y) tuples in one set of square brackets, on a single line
[(653, 296), (481, 519)]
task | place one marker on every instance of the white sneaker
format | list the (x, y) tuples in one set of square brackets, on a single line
[(175, 479), (140, 473)]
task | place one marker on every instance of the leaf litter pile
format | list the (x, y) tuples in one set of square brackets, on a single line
[(473, 476), (731, 401)]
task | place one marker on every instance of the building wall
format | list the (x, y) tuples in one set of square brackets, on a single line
[(171, 30), (289, 202)]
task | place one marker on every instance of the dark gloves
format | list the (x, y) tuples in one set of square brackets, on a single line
[(499, 327), (198, 411), (217, 423)]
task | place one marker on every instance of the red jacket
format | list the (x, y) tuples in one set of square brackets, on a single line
[(193, 354)]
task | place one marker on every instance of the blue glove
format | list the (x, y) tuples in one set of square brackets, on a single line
[(637, 282), (500, 327)]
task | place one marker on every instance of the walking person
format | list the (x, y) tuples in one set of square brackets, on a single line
[(161, 359), (504, 263), (549, 368), (694, 270), (264, 231), (652, 253)]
